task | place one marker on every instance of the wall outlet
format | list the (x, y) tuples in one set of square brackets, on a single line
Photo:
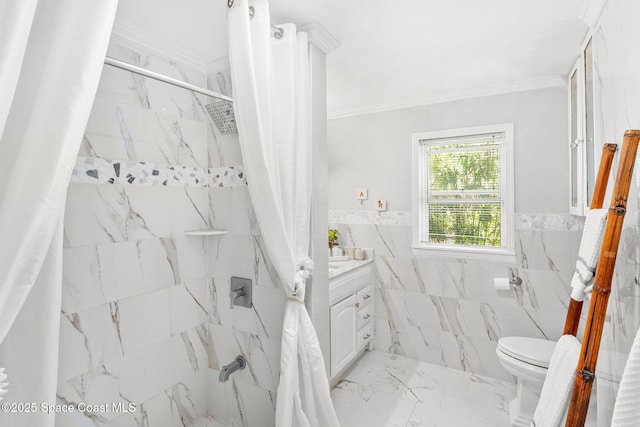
[(362, 194), (381, 205)]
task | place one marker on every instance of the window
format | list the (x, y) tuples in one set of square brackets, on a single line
[(463, 192), (582, 131)]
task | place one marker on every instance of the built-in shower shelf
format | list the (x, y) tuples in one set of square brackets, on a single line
[(205, 232)]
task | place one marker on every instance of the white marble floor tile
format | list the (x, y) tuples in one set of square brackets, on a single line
[(207, 422), (385, 390)]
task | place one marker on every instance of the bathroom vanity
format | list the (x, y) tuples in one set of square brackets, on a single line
[(351, 312)]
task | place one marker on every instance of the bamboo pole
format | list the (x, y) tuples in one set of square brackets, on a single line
[(597, 200), (585, 371)]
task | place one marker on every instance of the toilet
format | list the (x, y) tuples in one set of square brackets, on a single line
[(526, 359)]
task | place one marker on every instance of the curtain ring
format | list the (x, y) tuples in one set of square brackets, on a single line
[(229, 3)]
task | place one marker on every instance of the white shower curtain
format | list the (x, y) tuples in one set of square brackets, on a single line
[(51, 55), (272, 103)]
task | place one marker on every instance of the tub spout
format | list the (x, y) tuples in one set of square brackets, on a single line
[(229, 369)]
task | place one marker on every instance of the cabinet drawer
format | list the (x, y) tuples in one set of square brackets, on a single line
[(365, 316), (365, 296), (365, 335), (349, 283)]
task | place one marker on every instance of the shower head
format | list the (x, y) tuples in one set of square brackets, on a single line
[(221, 112)]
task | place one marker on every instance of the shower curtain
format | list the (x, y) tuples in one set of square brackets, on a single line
[(50, 63), (272, 104)]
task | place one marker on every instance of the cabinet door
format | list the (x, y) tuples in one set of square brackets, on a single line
[(344, 339)]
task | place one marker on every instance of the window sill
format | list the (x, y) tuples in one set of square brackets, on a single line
[(461, 252)]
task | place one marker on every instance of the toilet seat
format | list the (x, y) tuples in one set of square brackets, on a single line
[(533, 351)]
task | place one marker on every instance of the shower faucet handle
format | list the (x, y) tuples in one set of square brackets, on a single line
[(240, 292), (235, 294)]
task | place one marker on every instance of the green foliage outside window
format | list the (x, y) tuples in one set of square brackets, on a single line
[(464, 194)]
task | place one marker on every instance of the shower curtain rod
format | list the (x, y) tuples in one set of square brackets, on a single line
[(162, 78)]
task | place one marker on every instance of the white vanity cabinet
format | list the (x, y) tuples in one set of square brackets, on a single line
[(351, 299), (344, 333)]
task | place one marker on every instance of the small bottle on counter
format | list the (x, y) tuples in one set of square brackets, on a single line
[(358, 254), (351, 252)]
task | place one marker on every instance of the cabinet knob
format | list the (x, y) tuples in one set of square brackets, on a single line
[(357, 305)]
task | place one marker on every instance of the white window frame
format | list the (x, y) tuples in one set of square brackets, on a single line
[(579, 173), (504, 253), (576, 172)]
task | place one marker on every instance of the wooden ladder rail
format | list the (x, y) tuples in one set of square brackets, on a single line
[(597, 200), (585, 371)]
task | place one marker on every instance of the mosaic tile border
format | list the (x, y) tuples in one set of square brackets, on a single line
[(369, 217), (549, 221), (541, 221), (93, 170)]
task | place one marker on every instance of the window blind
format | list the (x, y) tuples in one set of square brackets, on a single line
[(463, 194)]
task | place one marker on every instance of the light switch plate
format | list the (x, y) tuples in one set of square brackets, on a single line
[(362, 194)]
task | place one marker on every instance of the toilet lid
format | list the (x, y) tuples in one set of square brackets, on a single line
[(533, 351)]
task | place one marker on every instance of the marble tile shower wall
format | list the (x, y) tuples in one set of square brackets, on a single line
[(248, 398), (145, 315), (447, 311)]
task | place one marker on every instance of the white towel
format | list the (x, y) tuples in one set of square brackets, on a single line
[(588, 253), (558, 384), (626, 411)]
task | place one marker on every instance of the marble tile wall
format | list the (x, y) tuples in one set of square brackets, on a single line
[(146, 316), (248, 398), (617, 91), (446, 311)]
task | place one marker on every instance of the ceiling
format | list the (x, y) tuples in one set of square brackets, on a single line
[(394, 54)]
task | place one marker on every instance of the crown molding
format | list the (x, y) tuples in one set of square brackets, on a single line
[(455, 96), (130, 33), (591, 12), (320, 37), (218, 65)]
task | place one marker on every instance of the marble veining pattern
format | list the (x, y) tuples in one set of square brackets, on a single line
[(385, 390), (126, 273), (92, 170), (146, 316), (207, 422), (616, 87), (447, 312)]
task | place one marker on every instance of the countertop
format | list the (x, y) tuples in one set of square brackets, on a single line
[(337, 268)]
